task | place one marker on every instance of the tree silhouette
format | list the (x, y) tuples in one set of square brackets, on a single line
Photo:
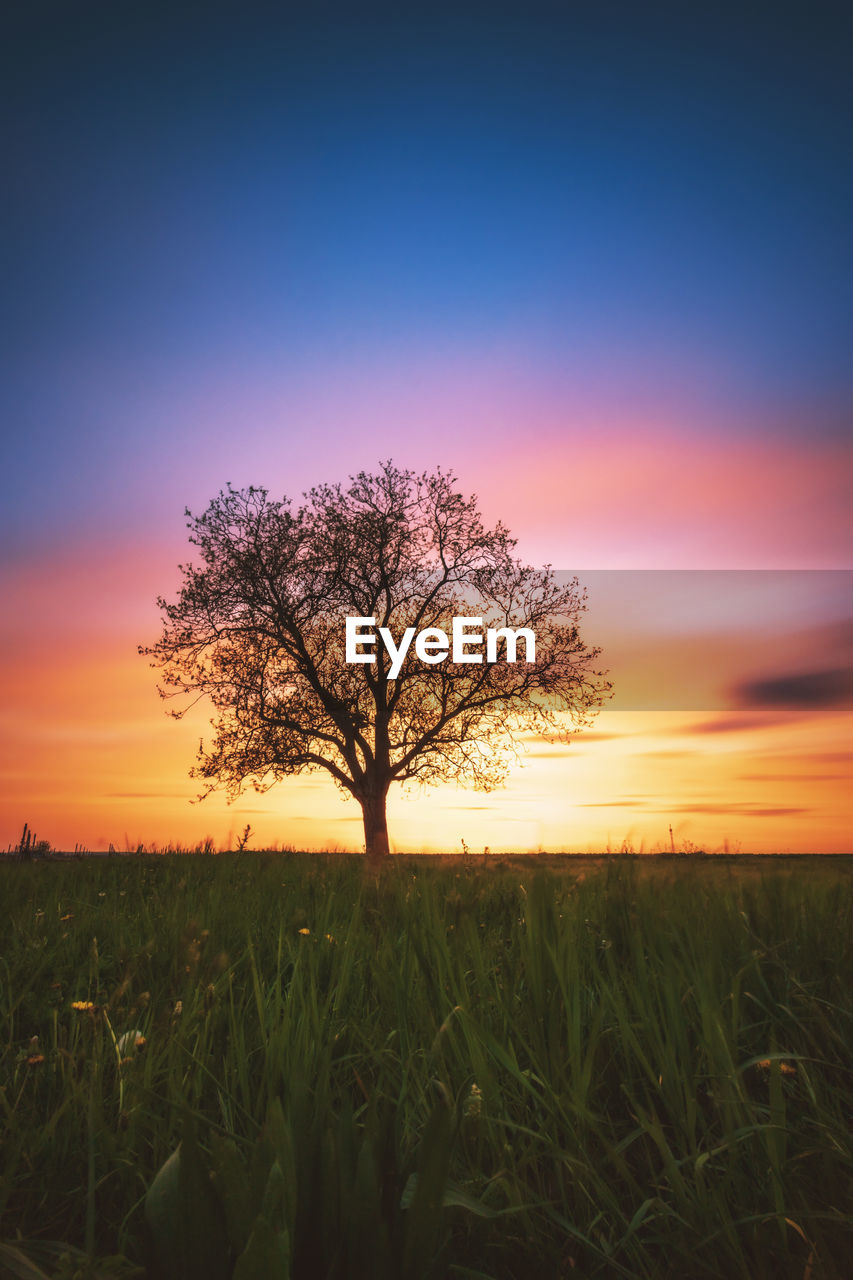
[(259, 628)]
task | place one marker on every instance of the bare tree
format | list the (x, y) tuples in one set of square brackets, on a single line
[(259, 629)]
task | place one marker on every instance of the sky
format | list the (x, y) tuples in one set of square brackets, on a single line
[(595, 259)]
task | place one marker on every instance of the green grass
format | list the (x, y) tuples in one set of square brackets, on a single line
[(643, 1075)]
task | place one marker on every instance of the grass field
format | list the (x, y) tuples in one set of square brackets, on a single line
[(638, 1068)]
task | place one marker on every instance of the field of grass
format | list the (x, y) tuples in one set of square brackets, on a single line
[(531, 1071)]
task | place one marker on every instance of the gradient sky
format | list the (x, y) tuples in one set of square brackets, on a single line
[(595, 259)]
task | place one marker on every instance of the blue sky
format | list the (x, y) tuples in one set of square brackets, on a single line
[(614, 198)]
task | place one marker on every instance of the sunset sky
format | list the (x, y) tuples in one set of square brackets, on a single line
[(594, 259)]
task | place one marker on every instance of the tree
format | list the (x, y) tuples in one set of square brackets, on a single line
[(259, 629)]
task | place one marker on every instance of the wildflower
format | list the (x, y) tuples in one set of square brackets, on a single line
[(102, 894), (785, 1067), (82, 1006), (130, 1040), (473, 1104), (305, 932), (178, 1009), (35, 1060), (329, 938)]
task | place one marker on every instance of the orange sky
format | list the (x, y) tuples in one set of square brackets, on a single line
[(87, 754)]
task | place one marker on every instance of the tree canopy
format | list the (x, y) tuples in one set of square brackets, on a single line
[(259, 629)]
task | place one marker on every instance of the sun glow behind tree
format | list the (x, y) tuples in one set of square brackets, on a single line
[(260, 628)]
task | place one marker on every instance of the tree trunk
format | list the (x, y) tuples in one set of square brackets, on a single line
[(375, 827)]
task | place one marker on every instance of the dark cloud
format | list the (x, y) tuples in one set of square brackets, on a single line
[(792, 777), (145, 795), (734, 810), (611, 804), (730, 724), (651, 804), (802, 691), (773, 813)]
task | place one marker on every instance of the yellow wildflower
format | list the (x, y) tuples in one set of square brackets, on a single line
[(82, 1006), (305, 932)]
